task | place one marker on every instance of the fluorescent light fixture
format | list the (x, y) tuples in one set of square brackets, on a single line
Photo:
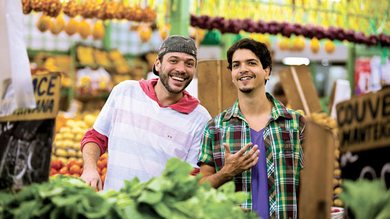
[(295, 61)]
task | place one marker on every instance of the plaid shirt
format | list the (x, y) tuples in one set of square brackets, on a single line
[(283, 137)]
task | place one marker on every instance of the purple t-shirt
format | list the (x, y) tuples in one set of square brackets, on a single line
[(259, 178)]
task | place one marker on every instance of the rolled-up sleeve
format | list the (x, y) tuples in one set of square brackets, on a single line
[(94, 136)]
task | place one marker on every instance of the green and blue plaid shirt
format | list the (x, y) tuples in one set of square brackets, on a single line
[(283, 137)]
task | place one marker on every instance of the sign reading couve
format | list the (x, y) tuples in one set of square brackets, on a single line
[(46, 92), (364, 121)]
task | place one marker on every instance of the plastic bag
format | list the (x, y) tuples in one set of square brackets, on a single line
[(16, 89)]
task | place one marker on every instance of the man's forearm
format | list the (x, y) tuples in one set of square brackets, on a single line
[(217, 179), (91, 154)]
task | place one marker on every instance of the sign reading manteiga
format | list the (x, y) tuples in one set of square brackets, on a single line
[(364, 121), (47, 93)]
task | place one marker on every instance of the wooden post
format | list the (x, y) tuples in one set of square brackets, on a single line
[(216, 90)]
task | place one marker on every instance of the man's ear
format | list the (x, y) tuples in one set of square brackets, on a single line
[(267, 73), (157, 63), (230, 71)]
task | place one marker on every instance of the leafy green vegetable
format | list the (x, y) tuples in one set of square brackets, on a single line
[(163, 210), (61, 197), (366, 198), (150, 197), (174, 195), (385, 212), (178, 195)]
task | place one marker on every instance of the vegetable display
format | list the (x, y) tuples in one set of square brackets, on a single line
[(174, 195), (366, 198), (287, 29)]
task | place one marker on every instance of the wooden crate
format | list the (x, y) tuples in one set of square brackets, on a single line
[(216, 90), (299, 88), (316, 188)]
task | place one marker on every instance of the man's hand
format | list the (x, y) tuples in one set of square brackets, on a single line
[(234, 165), (92, 178), (240, 161), (91, 153)]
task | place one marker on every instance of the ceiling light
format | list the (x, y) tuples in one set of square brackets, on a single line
[(296, 61)]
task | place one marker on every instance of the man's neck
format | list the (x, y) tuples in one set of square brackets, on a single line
[(165, 98), (254, 104), (256, 109)]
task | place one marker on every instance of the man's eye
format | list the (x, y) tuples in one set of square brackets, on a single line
[(172, 61), (190, 64), (235, 65), (252, 63)]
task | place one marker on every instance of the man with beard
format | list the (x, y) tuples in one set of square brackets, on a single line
[(145, 123), (257, 143)]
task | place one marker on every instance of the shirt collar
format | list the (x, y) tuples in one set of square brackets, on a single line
[(278, 110), (185, 105)]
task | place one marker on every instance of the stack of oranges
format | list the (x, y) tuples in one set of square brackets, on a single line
[(102, 166), (74, 167)]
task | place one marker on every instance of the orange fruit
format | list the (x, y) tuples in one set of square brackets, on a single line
[(71, 162), (145, 33), (105, 155), (75, 169), (329, 46), (315, 45), (56, 164), (102, 164), (79, 163), (104, 170), (53, 171), (63, 170)]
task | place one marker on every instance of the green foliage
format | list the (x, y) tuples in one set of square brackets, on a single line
[(366, 199), (61, 197), (178, 195), (174, 195)]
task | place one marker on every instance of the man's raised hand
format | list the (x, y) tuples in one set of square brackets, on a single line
[(240, 161)]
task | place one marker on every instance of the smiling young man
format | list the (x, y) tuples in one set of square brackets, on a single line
[(257, 142), (145, 123)]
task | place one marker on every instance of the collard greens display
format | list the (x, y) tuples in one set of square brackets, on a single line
[(174, 195)]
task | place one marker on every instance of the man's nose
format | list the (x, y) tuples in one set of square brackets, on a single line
[(242, 68), (180, 67)]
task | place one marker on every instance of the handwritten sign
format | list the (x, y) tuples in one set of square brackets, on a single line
[(364, 121), (47, 93), (368, 164), (364, 133), (26, 137), (25, 149)]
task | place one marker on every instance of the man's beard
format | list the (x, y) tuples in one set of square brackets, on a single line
[(246, 90), (164, 78)]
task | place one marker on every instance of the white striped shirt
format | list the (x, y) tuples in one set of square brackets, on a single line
[(142, 136)]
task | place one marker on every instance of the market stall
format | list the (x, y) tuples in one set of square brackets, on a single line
[(80, 49)]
